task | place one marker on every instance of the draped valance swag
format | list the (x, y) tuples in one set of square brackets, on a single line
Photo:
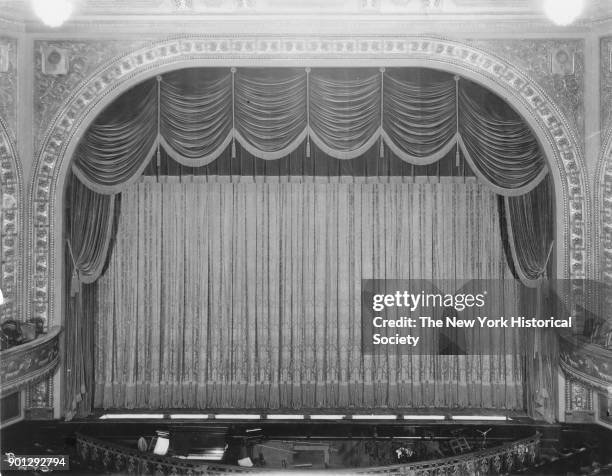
[(196, 114)]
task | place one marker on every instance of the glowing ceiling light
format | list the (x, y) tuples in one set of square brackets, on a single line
[(563, 12), (52, 12)]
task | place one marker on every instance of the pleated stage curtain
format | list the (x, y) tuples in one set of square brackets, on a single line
[(245, 293)]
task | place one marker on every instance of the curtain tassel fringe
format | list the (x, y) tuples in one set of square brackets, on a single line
[(308, 148), (75, 283), (233, 148), (457, 156), (382, 149)]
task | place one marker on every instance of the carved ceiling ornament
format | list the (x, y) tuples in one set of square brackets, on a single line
[(11, 184), (116, 76)]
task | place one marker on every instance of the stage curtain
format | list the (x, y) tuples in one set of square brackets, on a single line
[(195, 114), (419, 120), (345, 112), (235, 292), (270, 111), (527, 224), (89, 233), (119, 144), (498, 145)]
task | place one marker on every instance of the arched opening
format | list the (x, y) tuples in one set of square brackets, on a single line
[(232, 224), (555, 137)]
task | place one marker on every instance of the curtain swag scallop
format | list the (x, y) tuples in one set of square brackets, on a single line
[(196, 115)]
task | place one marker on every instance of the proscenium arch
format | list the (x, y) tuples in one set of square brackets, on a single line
[(11, 187), (603, 210), (556, 137)]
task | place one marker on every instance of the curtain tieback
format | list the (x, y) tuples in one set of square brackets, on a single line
[(75, 280), (75, 283)]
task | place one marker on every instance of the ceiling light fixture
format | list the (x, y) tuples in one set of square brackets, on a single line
[(53, 13), (563, 12)]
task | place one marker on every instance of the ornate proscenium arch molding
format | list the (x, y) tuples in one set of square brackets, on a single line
[(549, 124), (604, 204), (11, 226)]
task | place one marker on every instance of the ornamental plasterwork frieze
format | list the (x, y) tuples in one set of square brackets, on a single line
[(83, 58), (10, 225), (520, 88), (8, 83), (10, 182), (556, 65)]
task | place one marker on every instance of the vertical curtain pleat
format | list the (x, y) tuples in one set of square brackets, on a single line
[(89, 235), (252, 295), (527, 239)]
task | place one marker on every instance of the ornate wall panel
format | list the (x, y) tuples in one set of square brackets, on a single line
[(8, 83), (51, 90), (97, 84), (578, 401), (556, 65)]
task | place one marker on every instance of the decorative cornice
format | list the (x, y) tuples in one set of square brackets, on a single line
[(11, 226), (106, 82), (28, 363)]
